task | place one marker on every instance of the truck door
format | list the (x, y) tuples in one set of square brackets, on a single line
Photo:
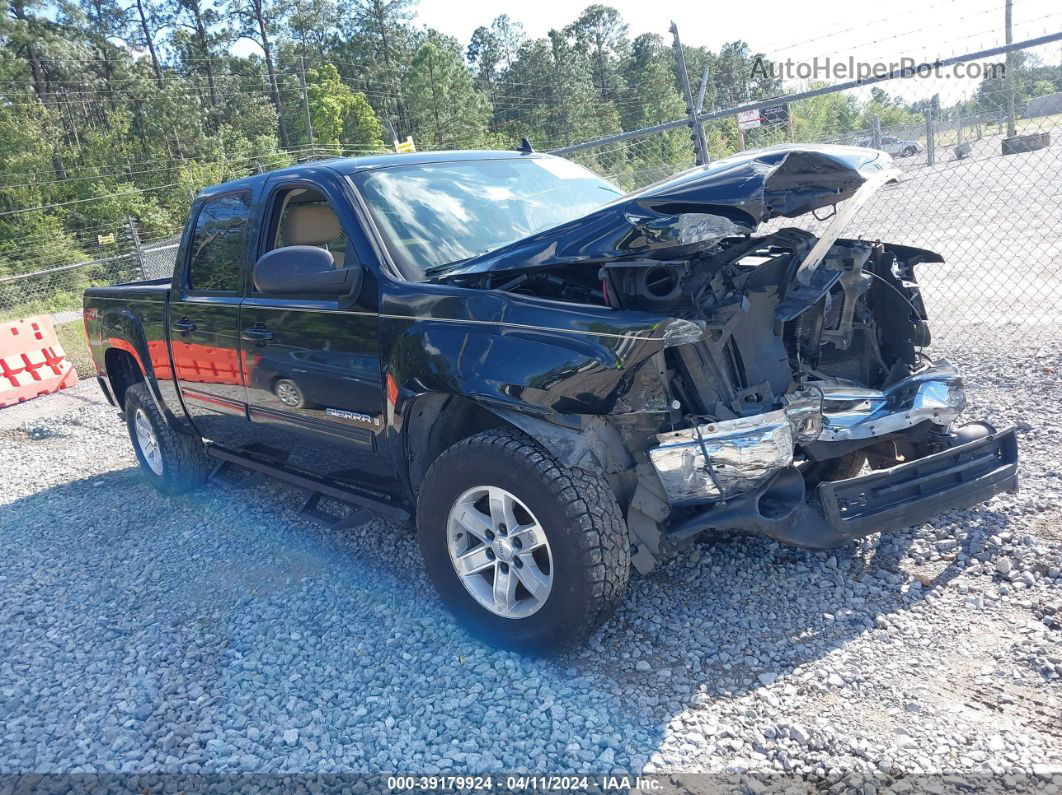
[(314, 387), (204, 312)]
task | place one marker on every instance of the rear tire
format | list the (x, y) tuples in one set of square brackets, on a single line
[(580, 562), (172, 462)]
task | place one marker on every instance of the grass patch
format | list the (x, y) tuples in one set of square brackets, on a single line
[(57, 302), (72, 337)]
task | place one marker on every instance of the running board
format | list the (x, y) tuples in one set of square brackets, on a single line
[(361, 503), (234, 475), (352, 518)]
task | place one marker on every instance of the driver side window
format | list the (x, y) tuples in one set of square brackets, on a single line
[(303, 217), (306, 253)]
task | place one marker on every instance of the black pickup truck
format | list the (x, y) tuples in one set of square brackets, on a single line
[(557, 380)]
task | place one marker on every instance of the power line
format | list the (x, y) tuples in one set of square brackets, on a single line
[(126, 192), (772, 49)]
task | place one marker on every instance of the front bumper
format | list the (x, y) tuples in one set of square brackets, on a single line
[(844, 510), (911, 493), (742, 473), (722, 460)]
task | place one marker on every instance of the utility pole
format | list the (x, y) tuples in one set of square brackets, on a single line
[(702, 89), (138, 249), (305, 99), (1009, 80), (700, 147), (931, 141)]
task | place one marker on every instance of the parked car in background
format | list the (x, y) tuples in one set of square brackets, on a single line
[(897, 147), (556, 380)]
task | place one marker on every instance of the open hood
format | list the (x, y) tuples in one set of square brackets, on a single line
[(694, 209)]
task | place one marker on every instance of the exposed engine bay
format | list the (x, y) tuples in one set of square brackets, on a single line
[(792, 362), (760, 335), (763, 333)]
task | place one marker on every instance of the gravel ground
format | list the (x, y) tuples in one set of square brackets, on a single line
[(221, 632)]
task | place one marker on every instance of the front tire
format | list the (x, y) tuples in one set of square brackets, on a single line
[(909, 151), (543, 551), (172, 462)]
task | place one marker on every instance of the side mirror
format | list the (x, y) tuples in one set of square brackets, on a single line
[(304, 269)]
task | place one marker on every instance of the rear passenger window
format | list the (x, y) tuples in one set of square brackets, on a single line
[(219, 249)]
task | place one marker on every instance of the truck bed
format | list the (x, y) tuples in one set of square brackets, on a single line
[(130, 317), (155, 289)]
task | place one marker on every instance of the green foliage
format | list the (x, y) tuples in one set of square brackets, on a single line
[(362, 131), (891, 115), (339, 115), (444, 105), (119, 111), (72, 337), (648, 73), (825, 116), (600, 36)]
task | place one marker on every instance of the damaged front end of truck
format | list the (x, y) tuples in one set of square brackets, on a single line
[(789, 393)]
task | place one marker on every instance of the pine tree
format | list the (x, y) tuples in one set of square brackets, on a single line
[(601, 35), (446, 109), (651, 97), (257, 22)]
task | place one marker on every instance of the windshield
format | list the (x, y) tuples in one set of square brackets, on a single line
[(436, 215)]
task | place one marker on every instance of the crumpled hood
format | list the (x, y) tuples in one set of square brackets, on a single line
[(673, 218)]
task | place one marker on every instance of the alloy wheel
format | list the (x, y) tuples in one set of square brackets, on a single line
[(500, 552), (147, 441)]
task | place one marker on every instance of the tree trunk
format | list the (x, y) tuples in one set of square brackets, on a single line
[(274, 87), (40, 81), (150, 41), (435, 104), (138, 118), (209, 68), (204, 47), (602, 71), (379, 12), (560, 99)]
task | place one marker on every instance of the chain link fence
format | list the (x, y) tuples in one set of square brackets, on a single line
[(57, 288), (985, 197), (156, 260)]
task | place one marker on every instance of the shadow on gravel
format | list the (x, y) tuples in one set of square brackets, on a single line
[(221, 631), (743, 611)]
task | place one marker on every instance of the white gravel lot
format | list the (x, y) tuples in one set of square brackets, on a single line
[(221, 632)]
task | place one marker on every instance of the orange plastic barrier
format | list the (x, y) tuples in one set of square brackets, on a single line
[(32, 362)]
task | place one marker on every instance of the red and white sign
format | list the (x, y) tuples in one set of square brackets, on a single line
[(749, 119)]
